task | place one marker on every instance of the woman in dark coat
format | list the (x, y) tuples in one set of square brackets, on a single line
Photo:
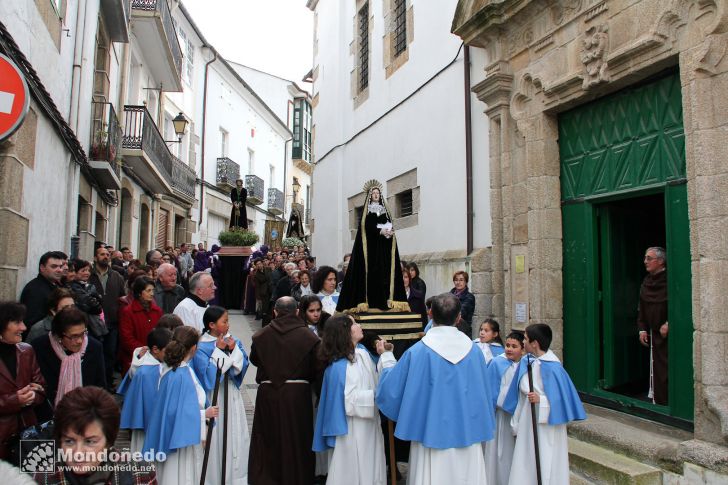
[(467, 302), (68, 357), (21, 382), (416, 282), (374, 275), (238, 214)]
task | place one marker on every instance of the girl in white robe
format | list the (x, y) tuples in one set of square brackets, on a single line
[(217, 346), (358, 450), (181, 397), (499, 451)]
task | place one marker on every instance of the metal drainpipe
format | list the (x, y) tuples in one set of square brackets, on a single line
[(204, 137), (468, 153)]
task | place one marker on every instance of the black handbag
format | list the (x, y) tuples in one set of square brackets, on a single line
[(21, 444)]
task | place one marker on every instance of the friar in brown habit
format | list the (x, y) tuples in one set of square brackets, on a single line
[(652, 321), (285, 353)]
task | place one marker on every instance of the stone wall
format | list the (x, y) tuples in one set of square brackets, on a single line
[(544, 57)]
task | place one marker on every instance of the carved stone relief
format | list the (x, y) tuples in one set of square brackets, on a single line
[(594, 55)]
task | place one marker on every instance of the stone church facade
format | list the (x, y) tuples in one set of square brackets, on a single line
[(608, 123)]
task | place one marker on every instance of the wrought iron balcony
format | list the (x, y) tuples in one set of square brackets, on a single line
[(105, 147), (275, 202), (227, 172), (183, 180), (308, 216), (255, 187), (155, 30), (145, 151)]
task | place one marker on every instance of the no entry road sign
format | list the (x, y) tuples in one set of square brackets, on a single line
[(14, 97)]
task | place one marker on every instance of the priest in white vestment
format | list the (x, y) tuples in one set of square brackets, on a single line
[(192, 308)]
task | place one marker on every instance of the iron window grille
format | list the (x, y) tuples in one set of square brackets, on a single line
[(364, 47), (404, 200), (400, 31)]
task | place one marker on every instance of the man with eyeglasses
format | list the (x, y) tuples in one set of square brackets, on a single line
[(192, 308), (652, 321)]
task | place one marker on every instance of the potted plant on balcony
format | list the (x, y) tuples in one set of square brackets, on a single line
[(101, 149)]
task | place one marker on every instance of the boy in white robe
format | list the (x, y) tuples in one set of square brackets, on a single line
[(557, 403)]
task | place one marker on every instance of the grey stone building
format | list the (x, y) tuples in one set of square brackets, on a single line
[(607, 136)]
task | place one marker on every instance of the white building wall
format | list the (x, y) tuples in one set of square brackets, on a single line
[(425, 132), (249, 127)]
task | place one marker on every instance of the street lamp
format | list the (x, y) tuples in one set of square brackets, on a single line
[(180, 126), (296, 188)]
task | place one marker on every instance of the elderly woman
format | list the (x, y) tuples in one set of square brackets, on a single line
[(59, 299), (137, 320), (86, 426), (467, 302), (21, 382), (303, 287), (68, 357)]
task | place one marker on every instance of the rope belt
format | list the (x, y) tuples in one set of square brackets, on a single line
[(290, 381)]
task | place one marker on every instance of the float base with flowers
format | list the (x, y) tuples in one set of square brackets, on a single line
[(233, 255)]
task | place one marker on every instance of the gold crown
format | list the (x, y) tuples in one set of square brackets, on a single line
[(371, 184)]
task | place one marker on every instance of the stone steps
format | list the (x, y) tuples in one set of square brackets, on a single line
[(593, 464)]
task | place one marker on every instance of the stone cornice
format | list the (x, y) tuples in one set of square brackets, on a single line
[(473, 18), (495, 89)]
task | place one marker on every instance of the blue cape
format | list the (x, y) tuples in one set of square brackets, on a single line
[(496, 370), (564, 402), (496, 350), (175, 419), (140, 397), (437, 403), (331, 415), (124, 385), (205, 369)]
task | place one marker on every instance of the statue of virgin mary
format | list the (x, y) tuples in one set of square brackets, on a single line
[(374, 277)]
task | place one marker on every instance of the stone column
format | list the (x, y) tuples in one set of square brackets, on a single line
[(704, 78), (16, 153)]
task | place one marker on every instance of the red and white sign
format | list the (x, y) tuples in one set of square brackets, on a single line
[(14, 97)]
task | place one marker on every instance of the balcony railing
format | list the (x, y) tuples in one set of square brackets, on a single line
[(106, 136), (183, 178), (255, 186), (308, 216), (141, 133), (227, 172), (162, 8), (275, 201)]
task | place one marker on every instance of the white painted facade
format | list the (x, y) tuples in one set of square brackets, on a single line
[(282, 96), (241, 127), (403, 124), (53, 189)]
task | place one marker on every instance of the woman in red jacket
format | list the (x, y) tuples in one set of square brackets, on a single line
[(137, 320), (21, 383)]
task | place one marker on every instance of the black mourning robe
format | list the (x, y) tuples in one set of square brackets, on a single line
[(374, 276), (239, 221)]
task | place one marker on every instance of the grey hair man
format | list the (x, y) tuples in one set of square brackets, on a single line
[(284, 285), (167, 293), (652, 320), (192, 308)]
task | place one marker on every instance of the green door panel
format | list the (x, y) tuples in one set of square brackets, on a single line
[(680, 315), (622, 173)]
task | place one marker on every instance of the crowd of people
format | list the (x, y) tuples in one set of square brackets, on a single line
[(325, 386)]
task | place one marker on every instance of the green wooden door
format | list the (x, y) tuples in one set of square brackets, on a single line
[(623, 189)]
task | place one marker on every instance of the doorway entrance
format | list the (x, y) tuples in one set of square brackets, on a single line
[(626, 227), (623, 190)]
